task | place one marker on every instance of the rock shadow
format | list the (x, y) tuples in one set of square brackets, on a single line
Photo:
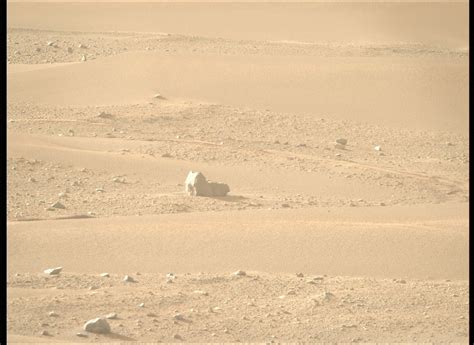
[(230, 198), (118, 337)]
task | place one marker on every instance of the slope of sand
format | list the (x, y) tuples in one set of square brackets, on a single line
[(380, 237)]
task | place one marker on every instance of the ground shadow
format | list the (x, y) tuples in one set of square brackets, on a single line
[(118, 337), (230, 198)]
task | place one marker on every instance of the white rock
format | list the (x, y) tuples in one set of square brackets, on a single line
[(53, 314), (50, 43), (129, 279), (200, 292), (111, 316), (84, 58), (53, 271), (98, 325), (239, 273), (105, 275), (378, 148), (197, 185)]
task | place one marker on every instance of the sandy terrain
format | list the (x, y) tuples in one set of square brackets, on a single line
[(377, 230)]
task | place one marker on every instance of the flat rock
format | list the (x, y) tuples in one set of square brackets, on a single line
[(239, 273), (200, 292), (341, 141), (111, 316), (53, 271)]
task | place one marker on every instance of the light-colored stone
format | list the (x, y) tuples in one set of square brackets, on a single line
[(197, 185), (53, 271), (129, 279), (111, 316), (98, 325), (239, 273), (200, 292)]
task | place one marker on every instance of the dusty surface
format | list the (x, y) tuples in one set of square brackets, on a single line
[(253, 308), (383, 222)]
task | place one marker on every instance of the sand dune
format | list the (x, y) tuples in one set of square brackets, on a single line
[(333, 241), (419, 93)]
